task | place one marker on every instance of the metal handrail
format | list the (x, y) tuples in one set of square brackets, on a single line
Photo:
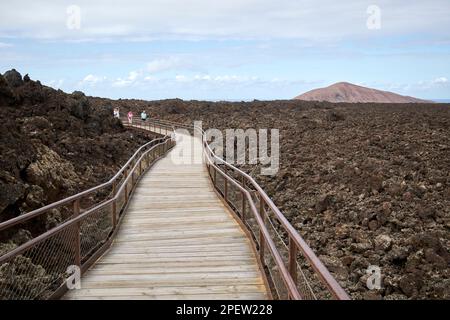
[(71, 230), (4, 258), (296, 242), (32, 214)]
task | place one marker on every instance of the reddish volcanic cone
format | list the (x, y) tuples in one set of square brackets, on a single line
[(347, 92)]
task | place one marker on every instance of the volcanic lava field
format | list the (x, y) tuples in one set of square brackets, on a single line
[(364, 184)]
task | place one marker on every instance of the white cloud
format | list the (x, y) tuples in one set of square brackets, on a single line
[(120, 83), (165, 64), (410, 88), (181, 78), (91, 80), (132, 79), (5, 45), (440, 80), (233, 80), (139, 20), (205, 77), (56, 83), (429, 84), (132, 76)]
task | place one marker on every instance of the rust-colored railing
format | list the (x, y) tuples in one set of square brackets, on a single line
[(295, 272), (84, 229), (77, 230)]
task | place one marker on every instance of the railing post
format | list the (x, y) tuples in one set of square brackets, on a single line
[(126, 185), (262, 242), (243, 206), (77, 244), (215, 176), (292, 267), (243, 199), (114, 206), (225, 184)]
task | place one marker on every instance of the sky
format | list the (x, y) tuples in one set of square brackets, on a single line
[(228, 50)]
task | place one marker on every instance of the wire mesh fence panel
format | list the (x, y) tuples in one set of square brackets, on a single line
[(220, 183), (94, 198), (120, 202), (234, 198), (279, 289), (37, 272), (41, 223), (129, 188), (251, 222), (94, 230), (308, 283)]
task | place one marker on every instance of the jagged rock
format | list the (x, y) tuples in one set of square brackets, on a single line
[(22, 273), (78, 95), (79, 105), (11, 190), (13, 78), (410, 284), (336, 266), (335, 116), (6, 94), (21, 236), (373, 225), (5, 248), (395, 296), (428, 240), (52, 173), (372, 295), (342, 231), (323, 203), (35, 197), (383, 242)]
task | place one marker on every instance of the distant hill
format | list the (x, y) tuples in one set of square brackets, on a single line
[(347, 92)]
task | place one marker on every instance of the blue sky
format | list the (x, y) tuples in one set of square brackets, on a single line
[(228, 50)]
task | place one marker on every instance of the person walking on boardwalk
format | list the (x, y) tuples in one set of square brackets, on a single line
[(130, 117), (143, 115), (116, 113)]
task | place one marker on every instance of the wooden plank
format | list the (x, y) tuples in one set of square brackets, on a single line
[(182, 296), (138, 269), (181, 263), (116, 258), (165, 291)]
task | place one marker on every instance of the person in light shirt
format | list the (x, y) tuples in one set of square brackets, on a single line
[(143, 115)]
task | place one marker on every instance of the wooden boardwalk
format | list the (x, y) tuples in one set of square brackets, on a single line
[(176, 241)]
